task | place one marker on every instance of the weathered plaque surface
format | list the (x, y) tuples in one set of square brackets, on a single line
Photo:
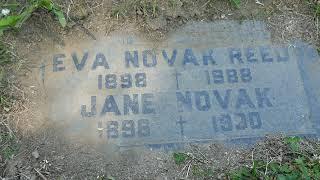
[(207, 81)]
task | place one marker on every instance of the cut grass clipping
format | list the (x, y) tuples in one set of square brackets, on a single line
[(8, 21)]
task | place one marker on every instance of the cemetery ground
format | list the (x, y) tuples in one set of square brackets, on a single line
[(32, 147)]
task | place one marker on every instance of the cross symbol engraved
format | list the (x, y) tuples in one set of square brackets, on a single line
[(177, 74), (181, 122)]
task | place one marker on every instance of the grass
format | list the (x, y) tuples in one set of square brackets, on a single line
[(299, 160), (8, 142), (9, 146), (300, 166), (315, 6), (317, 9), (146, 8), (6, 59), (202, 172), (10, 64), (150, 8), (193, 165), (180, 158), (19, 13), (236, 3)]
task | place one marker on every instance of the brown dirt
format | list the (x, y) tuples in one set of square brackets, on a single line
[(65, 159)]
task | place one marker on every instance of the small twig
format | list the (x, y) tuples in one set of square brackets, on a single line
[(252, 158), (266, 171), (184, 167), (69, 9), (205, 4), (203, 156), (188, 170), (89, 7), (260, 3), (8, 128), (195, 158), (40, 174), (24, 175), (97, 6)]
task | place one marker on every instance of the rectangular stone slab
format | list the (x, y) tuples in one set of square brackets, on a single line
[(208, 81)]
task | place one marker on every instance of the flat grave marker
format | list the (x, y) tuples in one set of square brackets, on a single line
[(208, 81)]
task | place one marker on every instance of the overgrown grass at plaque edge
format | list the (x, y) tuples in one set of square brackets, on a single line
[(149, 8), (17, 14), (301, 165), (9, 145), (12, 16)]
